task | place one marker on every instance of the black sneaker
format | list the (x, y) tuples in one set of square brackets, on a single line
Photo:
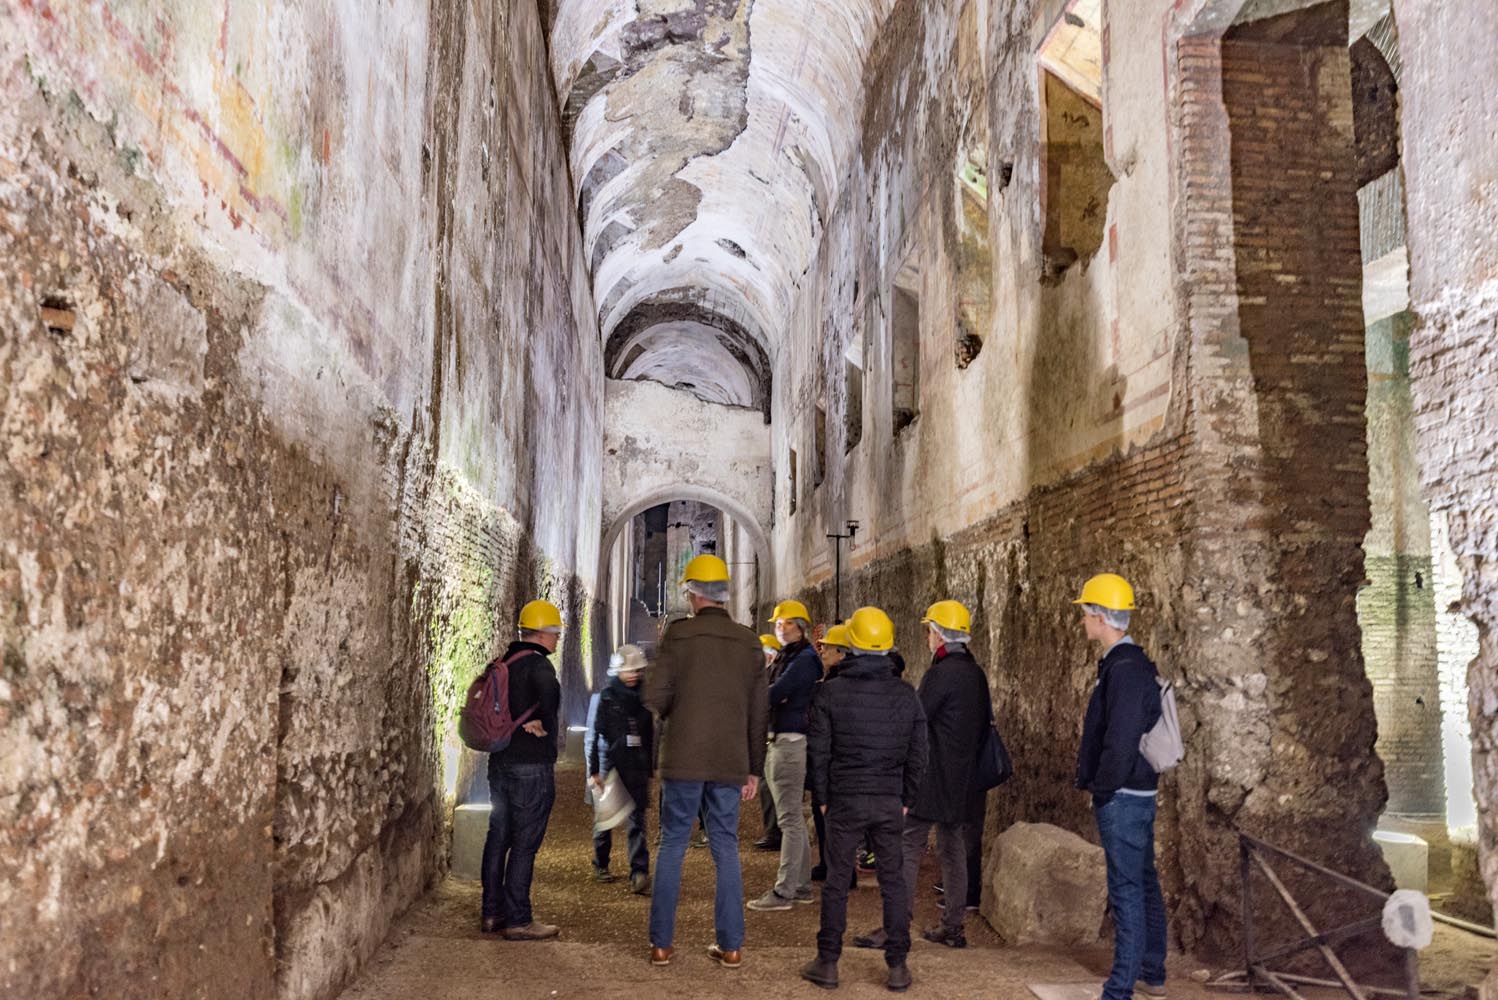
[(940, 935), (866, 862), (604, 875)]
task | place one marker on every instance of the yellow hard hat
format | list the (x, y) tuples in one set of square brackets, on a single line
[(1108, 590), (770, 642), (538, 615), (837, 635), (790, 609), (706, 569), (950, 615), (871, 629)]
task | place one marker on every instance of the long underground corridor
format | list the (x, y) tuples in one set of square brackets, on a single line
[(334, 335)]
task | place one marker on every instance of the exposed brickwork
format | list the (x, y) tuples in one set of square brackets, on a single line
[(244, 571), (1271, 266), (1451, 175)]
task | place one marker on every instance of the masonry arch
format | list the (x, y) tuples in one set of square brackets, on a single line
[(743, 544)]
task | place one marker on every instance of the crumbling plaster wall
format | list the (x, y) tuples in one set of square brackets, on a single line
[(1451, 176), (275, 479), (1117, 417), (664, 444)]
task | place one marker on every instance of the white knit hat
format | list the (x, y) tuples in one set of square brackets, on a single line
[(627, 659)]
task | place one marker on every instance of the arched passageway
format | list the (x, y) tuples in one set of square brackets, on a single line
[(331, 333)]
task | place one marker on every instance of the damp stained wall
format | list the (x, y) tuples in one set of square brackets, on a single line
[(301, 394), (1451, 175), (1177, 408)]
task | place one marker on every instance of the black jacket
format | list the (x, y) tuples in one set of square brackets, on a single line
[(619, 714), (795, 677), (867, 734), (533, 682), (1125, 705), (954, 695)]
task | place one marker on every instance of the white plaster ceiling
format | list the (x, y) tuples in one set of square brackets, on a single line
[(1074, 49), (707, 140)]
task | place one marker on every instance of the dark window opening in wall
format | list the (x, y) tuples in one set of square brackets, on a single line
[(852, 404), (1375, 112), (1076, 178), (905, 356), (791, 483), (973, 258), (819, 447)]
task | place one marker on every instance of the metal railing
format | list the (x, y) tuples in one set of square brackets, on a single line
[(1256, 967)]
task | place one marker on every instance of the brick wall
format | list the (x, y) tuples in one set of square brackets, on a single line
[(1450, 173), (1272, 276)]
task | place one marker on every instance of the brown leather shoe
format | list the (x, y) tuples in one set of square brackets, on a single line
[(533, 931), (727, 959), (491, 925), (660, 956)]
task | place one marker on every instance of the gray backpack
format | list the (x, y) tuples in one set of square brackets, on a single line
[(1162, 745)]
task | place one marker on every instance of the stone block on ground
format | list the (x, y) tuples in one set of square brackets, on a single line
[(1046, 886), (470, 827)]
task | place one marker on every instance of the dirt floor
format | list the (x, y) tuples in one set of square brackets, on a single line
[(437, 951)]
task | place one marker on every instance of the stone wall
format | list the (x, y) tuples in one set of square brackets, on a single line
[(1184, 407), (274, 488), (1451, 176)]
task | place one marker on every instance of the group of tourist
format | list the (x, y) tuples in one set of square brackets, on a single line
[(823, 711)]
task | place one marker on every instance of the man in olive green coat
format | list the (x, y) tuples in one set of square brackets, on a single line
[(708, 687)]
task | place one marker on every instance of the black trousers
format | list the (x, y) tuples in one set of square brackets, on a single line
[(850, 818), (977, 814), (637, 785)]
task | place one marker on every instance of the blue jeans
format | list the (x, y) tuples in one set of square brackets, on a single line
[(680, 802), (520, 799), (1126, 825)]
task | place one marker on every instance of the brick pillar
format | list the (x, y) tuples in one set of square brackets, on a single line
[(1271, 281)]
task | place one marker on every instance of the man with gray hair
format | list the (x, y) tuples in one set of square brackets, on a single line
[(1125, 705), (708, 687)]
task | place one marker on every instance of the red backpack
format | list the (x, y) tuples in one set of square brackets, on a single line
[(485, 723)]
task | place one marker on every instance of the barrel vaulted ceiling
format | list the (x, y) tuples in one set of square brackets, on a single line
[(707, 139)]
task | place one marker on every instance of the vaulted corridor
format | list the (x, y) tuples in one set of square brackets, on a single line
[(332, 333)]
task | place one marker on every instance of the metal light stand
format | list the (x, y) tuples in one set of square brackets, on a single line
[(837, 586)]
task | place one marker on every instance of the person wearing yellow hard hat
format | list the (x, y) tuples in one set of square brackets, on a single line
[(867, 751), (771, 839), (955, 698), (707, 686), (522, 779), (1125, 705), (832, 649), (793, 680)]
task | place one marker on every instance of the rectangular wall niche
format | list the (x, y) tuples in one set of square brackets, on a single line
[(905, 347), (1076, 178), (819, 443), (791, 484), (852, 401)]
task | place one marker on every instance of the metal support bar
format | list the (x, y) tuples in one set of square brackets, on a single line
[(1251, 854), (1305, 923), (1325, 937), (1346, 880)]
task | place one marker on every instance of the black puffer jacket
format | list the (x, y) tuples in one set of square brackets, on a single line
[(955, 698), (867, 734)]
